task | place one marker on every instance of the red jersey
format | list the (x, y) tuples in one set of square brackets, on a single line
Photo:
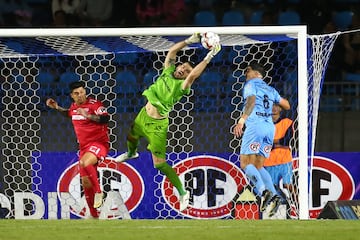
[(86, 130)]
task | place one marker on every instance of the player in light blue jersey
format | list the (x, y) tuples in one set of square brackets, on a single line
[(257, 139)]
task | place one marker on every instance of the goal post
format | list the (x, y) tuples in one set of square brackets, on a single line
[(117, 64)]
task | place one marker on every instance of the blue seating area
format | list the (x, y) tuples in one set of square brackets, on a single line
[(46, 81), (126, 83), (127, 90), (207, 90), (126, 58), (256, 17), (149, 78), (205, 19), (198, 13), (289, 18), (331, 104), (343, 19), (352, 77), (233, 18), (68, 77)]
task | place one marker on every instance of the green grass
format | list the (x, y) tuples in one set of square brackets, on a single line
[(179, 229)]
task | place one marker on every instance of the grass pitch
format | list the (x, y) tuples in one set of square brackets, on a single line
[(179, 229)]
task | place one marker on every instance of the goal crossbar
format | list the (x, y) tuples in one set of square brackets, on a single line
[(173, 31)]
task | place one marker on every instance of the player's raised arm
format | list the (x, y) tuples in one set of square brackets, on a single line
[(171, 55), (100, 118), (284, 104), (199, 68), (51, 103)]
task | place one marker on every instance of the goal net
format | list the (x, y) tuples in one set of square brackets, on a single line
[(38, 175)]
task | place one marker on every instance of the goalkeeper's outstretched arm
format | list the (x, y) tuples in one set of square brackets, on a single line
[(199, 68), (171, 55)]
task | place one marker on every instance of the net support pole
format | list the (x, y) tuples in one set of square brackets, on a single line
[(303, 123)]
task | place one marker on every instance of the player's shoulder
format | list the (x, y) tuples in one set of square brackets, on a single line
[(91, 100), (93, 103), (169, 69), (273, 90), (257, 82), (72, 106)]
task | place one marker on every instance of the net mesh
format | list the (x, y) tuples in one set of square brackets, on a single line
[(116, 70), (317, 68)]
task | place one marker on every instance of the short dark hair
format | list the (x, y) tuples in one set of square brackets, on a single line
[(192, 64), (258, 67), (75, 85)]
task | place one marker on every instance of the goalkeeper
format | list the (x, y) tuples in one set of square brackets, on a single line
[(152, 120)]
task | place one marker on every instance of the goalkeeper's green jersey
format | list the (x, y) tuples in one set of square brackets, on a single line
[(165, 91)]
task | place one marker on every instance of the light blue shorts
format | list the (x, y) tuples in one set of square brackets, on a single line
[(282, 171), (258, 139)]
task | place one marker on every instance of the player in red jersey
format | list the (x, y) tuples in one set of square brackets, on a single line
[(90, 120)]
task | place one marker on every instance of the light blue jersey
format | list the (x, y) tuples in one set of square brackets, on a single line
[(259, 133)]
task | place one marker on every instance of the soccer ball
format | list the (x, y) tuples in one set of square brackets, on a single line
[(209, 39)]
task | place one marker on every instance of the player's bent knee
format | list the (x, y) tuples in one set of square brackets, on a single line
[(82, 163)]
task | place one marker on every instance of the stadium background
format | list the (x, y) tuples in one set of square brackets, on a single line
[(340, 117)]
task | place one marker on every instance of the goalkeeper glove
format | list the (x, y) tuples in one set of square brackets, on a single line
[(195, 38), (215, 49)]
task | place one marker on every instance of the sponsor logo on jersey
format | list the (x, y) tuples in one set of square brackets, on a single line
[(78, 117), (101, 110), (254, 147), (267, 148)]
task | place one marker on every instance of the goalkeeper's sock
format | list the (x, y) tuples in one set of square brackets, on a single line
[(254, 176), (93, 175), (132, 147), (172, 176), (267, 180)]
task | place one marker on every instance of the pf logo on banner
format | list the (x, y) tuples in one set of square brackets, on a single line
[(114, 177), (213, 183), (330, 181)]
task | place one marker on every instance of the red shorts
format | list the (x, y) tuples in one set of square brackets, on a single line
[(98, 149)]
